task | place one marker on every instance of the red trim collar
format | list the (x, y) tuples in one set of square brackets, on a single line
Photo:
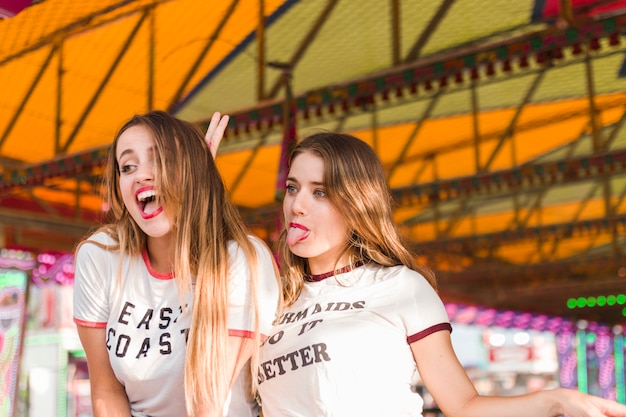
[(321, 277), (155, 274)]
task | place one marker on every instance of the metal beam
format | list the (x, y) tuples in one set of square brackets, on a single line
[(510, 129), (56, 225), (59, 103), (414, 133), (87, 23), (396, 20), (304, 45), (202, 54), (575, 218), (104, 82), (594, 114), (546, 272), (527, 177), (587, 227), (27, 96), (430, 28), (337, 92), (260, 39), (475, 111)]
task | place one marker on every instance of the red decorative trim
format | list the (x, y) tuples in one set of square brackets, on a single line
[(321, 277), (90, 324), (427, 332), (155, 274), (65, 167), (564, 171), (243, 333)]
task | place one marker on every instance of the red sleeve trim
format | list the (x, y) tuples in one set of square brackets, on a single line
[(244, 333), (94, 324), (426, 332)]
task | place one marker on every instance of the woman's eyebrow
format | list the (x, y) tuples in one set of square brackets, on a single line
[(124, 152)]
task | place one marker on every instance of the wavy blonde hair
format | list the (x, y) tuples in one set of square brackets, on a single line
[(195, 199), (356, 185)]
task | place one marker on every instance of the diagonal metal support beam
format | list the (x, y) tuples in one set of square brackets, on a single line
[(431, 28), (306, 42), (105, 81), (475, 111), (513, 123), (87, 23), (246, 166), (44, 205), (27, 96), (202, 55), (616, 129), (429, 160), (58, 122), (413, 135), (524, 127), (594, 113), (551, 253), (532, 210), (455, 217)]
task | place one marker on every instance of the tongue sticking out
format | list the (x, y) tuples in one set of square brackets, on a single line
[(150, 207), (296, 234)]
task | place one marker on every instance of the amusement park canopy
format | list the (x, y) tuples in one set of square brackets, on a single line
[(500, 123)]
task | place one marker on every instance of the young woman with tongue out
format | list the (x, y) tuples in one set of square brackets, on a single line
[(172, 295), (360, 315)]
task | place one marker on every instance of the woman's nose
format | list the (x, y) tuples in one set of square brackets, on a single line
[(145, 172), (298, 203)]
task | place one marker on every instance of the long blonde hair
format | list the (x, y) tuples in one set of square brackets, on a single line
[(195, 199), (355, 183)]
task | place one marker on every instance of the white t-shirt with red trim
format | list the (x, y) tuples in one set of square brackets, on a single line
[(146, 324), (343, 348)]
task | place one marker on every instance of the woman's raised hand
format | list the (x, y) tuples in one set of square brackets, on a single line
[(215, 132)]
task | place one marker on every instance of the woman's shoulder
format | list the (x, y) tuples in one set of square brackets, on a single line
[(97, 242), (409, 280), (259, 246), (261, 258)]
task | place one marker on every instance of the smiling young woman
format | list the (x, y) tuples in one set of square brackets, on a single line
[(172, 294)]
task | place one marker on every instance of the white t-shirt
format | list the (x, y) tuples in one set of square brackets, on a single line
[(146, 326), (343, 348)]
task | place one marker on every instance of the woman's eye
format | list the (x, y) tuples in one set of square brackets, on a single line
[(290, 188), (320, 193), (124, 169)]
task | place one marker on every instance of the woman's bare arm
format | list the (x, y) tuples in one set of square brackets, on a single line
[(108, 396)]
